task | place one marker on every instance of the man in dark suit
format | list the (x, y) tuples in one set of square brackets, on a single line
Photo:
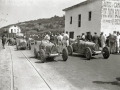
[(88, 36), (3, 41), (95, 38)]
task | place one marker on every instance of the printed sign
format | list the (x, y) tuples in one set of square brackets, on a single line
[(110, 13)]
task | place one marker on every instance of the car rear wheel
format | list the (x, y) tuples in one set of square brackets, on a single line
[(42, 56), (35, 53), (106, 52), (65, 54), (70, 50), (88, 53)]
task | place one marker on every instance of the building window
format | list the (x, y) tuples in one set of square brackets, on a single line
[(71, 35), (90, 15), (79, 20), (14, 30), (11, 30), (71, 20)]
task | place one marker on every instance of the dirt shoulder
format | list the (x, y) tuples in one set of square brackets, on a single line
[(5, 69)]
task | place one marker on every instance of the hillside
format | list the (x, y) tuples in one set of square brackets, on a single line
[(55, 23)]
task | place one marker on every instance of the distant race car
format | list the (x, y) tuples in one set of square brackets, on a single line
[(88, 49), (23, 44), (32, 41), (44, 50)]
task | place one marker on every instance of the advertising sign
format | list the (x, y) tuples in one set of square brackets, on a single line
[(110, 13)]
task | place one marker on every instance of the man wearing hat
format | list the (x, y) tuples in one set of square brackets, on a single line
[(88, 36), (95, 39)]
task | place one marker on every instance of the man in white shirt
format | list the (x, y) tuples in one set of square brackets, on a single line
[(66, 39), (47, 37), (60, 38), (102, 38), (118, 41)]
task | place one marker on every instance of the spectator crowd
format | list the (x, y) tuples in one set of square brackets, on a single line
[(112, 40)]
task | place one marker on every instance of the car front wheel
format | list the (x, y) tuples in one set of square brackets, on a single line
[(42, 56), (35, 53), (106, 52), (65, 54), (88, 53)]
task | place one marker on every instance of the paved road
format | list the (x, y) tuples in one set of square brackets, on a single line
[(76, 73), (96, 74)]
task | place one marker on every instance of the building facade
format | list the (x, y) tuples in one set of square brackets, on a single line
[(90, 16), (14, 29)]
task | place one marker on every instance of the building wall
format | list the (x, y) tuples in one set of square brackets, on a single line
[(14, 29), (93, 26)]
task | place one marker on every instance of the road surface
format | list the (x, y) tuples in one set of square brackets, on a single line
[(77, 73)]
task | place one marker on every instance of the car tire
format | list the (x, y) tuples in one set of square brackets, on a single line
[(64, 54), (106, 52), (24, 48), (42, 56), (17, 47), (88, 53), (70, 50), (35, 53), (29, 47)]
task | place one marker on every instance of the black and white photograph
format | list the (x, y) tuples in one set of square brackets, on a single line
[(59, 44)]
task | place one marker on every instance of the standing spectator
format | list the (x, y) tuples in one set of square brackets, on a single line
[(83, 36), (96, 39), (47, 36), (60, 38), (118, 42), (55, 39), (108, 40), (88, 36), (3, 41), (115, 44), (112, 41), (51, 38), (102, 38), (66, 39)]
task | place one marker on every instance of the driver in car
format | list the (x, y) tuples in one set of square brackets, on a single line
[(47, 37)]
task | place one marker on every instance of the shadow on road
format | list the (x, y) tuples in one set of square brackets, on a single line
[(47, 60), (111, 83), (116, 54), (82, 57)]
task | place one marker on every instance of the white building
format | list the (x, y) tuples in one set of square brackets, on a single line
[(94, 16), (14, 29)]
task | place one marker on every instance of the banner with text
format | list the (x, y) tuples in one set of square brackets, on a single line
[(110, 16)]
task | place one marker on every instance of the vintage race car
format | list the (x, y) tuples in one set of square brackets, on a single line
[(23, 44), (31, 41), (11, 41), (88, 49), (44, 49)]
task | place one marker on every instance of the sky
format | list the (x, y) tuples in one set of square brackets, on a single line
[(14, 11)]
